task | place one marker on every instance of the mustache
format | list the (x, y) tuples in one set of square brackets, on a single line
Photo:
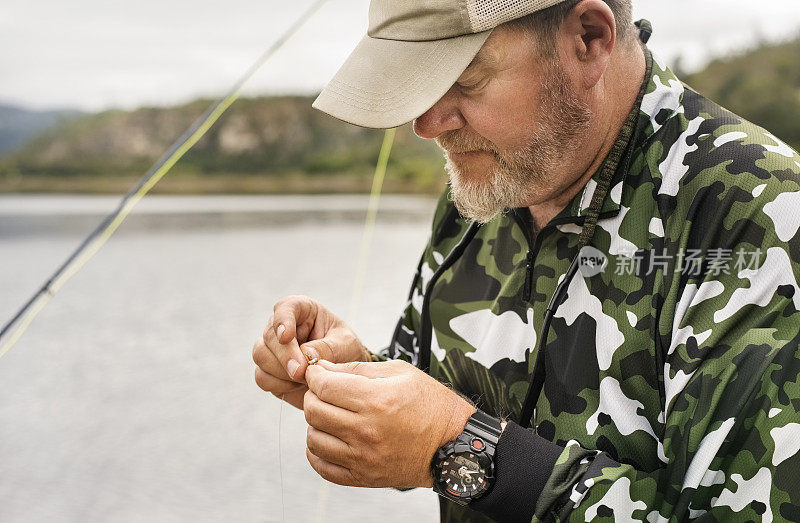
[(459, 142)]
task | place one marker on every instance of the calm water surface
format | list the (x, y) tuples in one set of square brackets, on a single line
[(131, 397)]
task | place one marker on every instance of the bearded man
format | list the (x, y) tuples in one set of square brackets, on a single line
[(609, 289)]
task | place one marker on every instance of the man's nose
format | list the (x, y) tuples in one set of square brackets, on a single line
[(445, 115)]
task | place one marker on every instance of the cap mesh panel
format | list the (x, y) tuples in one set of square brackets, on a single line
[(486, 14)]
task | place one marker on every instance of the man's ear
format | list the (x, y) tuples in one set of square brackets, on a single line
[(589, 33)]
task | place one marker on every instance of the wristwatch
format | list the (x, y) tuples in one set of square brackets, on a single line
[(463, 469)]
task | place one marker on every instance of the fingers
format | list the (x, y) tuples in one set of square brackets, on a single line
[(293, 317), (341, 389), (264, 355), (330, 471), (288, 356), (264, 358), (277, 386), (330, 448), (329, 418), (294, 398)]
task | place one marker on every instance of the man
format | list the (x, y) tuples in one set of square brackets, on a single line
[(614, 264)]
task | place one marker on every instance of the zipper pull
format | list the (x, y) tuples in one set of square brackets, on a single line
[(526, 291)]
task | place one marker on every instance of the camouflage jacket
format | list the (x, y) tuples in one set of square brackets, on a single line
[(672, 389)]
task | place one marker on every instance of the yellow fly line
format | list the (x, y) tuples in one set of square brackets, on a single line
[(111, 223), (369, 226)]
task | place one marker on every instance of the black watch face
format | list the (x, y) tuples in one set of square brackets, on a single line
[(462, 475)]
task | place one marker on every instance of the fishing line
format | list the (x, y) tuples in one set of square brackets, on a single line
[(280, 458), (98, 237)]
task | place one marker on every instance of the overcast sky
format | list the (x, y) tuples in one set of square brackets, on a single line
[(96, 54)]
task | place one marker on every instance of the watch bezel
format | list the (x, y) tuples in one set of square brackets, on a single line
[(463, 445)]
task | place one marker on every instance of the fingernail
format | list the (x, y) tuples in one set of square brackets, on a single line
[(292, 367), (311, 354), (281, 328)]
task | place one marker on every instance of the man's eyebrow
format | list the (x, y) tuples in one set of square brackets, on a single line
[(487, 61)]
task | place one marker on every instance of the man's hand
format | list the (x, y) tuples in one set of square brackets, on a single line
[(299, 330), (378, 424)]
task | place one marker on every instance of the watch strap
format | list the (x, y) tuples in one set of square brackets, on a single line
[(484, 426)]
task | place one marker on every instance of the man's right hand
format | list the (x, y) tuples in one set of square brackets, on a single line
[(300, 329)]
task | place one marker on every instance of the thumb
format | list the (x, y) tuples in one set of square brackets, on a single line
[(383, 369), (317, 350), (334, 346)]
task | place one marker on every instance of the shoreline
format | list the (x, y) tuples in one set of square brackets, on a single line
[(193, 184), (48, 213)]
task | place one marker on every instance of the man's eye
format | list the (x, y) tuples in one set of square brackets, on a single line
[(472, 87)]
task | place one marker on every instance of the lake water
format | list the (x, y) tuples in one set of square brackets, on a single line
[(131, 397)]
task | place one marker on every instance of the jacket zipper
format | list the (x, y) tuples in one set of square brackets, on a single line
[(526, 292), (533, 249)]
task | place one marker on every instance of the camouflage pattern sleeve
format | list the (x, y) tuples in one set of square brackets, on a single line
[(729, 333)]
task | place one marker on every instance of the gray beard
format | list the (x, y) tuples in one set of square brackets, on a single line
[(481, 201)]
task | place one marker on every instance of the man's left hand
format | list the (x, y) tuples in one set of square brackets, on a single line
[(378, 424)]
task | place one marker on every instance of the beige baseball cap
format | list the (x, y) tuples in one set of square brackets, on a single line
[(413, 52)]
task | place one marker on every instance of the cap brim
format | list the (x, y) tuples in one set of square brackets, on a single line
[(386, 83)]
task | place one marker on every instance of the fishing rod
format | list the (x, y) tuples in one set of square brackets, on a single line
[(98, 237)]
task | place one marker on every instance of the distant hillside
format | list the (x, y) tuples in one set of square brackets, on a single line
[(761, 85), (259, 144), (18, 125), (281, 144)]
